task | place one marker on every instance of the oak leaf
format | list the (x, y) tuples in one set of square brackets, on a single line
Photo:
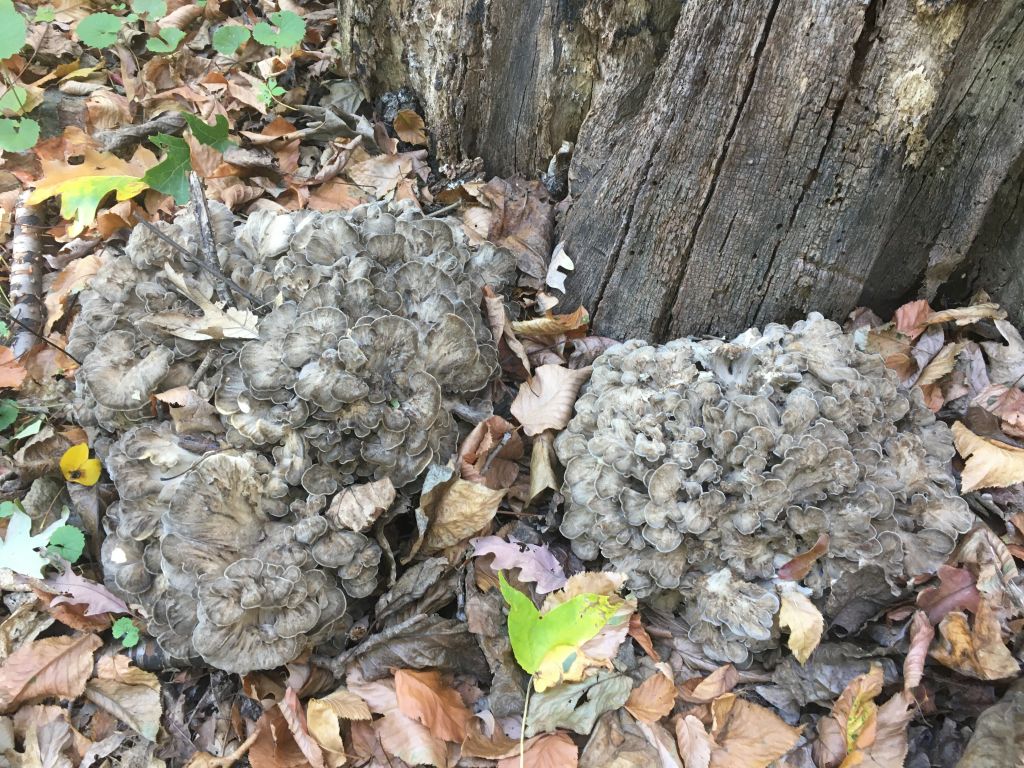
[(535, 562), (73, 589), (274, 746), (546, 401), (463, 509), (989, 463), (55, 666), (424, 697), (921, 634)]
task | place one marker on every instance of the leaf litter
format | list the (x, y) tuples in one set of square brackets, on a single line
[(423, 680)]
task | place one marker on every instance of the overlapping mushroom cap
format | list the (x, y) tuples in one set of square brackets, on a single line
[(700, 467), (363, 337)]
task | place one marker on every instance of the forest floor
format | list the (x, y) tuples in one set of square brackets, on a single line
[(130, 100)]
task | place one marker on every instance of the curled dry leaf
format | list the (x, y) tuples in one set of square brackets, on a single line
[(295, 717), (801, 565), (357, 507), (510, 349), (489, 453), (703, 690), (654, 697), (1005, 402), (694, 743), (549, 750), (542, 472), (967, 315), (69, 281), (804, 621), (554, 325), (130, 694), (921, 634), (75, 590), (939, 366), (852, 723), (956, 591), (546, 401), (990, 463), (463, 509), (423, 696), (976, 651), (274, 746), (1005, 361), (912, 318), (55, 666), (559, 261)]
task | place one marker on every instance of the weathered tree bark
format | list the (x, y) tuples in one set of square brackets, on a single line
[(737, 162)]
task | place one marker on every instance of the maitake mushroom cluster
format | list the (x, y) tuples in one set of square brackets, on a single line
[(698, 468), (359, 341)]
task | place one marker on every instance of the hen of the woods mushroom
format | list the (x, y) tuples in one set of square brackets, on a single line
[(699, 468), (224, 531)]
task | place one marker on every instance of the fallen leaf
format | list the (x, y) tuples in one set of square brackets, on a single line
[(464, 508), (424, 697), (77, 467), (921, 634), (490, 453), (577, 706), (748, 735), (989, 463), (890, 743), (295, 717), (804, 621), (323, 718), (554, 325), (977, 651), (707, 689), (654, 697), (357, 507), (130, 694), (695, 745), (535, 563), (852, 724), (940, 365), (1005, 402), (639, 633), (895, 349), (55, 666), (1005, 361), (967, 315), (68, 282), (274, 746), (546, 401), (409, 127), (217, 321), (956, 591), (82, 187), (801, 565), (412, 742), (73, 589), (19, 548), (559, 261), (12, 372), (549, 750), (911, 319), (381, 174), (493, 747), (510, 348), (542, 471)]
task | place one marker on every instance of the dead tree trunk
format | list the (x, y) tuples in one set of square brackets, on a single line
[(737, 162)]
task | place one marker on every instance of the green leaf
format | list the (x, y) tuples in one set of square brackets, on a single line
[(125, 629), (215, 135), (5, 330), (290, 30), (29, 430), (8, 413), (170, 175), (13, 100), (227, 39), (67, 542), (99, 30), (167, 42), (45, 13), (571, 624), (12, 29), (19, 134), (8, 508), (268, 91), (18, 550), (151, 9)]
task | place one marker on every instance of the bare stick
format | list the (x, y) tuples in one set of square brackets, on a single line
[(207, 237), (29, 332), (26, 276)]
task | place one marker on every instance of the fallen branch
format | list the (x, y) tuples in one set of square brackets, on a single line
[(26, 277)]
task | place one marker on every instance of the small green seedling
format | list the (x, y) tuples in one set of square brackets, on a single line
[(125, 630), (67, 542)]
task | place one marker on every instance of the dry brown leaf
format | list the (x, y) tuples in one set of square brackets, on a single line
[(55, 666), (425, 697), (940, 365), (554, 325), (967, 315), (704, 690), (107, 110), (956, 591), (546, 401), (409, 127), (323, 718), (542, 472), (510, 349), (1005, 402), (895, 349), (695, 745), (890, 744), (910, 319), (548, 750), (801, 565), (804, 620), (337, 195), (130, 694), (477, 744), (357, 507), (654, 697), (12, 372), (274, 746), (853, 720), (69, 281), (921, 634), (748, 735), (989, 463), (295, 718), (977, 651), (463, 510), (415, 744), (381, 174), (489, 455)]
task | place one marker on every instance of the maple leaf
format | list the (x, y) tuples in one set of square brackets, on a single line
[(82, 187)]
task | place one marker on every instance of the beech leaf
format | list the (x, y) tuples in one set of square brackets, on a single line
[(323, 718), (546, 401), (548, 750), (464, 508), (130, 694), (748, 735), (977, 651), (55, 666), (295, 717), (409, 127), (804, 621), (654, 697), (424, 697), (990, 463), (956, 591)]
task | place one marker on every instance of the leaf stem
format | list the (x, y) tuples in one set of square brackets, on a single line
[(522, 725)]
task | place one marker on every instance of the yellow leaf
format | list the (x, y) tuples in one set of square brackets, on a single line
[(83, 187), (322, 719), (805, 623), (977, 651), (77, 467), (990, 463)]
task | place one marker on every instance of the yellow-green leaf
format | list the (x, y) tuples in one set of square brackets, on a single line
[(77, 467)]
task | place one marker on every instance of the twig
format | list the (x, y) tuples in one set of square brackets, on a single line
[(39, 336), (206, 760), (257, 304), (26, 278), (443, 211), (207, 237)]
